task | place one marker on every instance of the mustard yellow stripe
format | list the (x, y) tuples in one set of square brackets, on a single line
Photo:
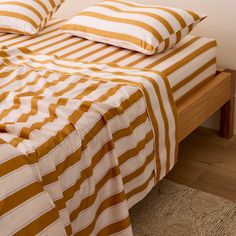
[(43, 40), (193, 75), (68, 88), (170, 11), (49, 15), (32, 112), (115, 227), (141, 187), (53, 52), (113, 200), (90, 44), (26, 131), (50, 44), (109, 115), (21, 196), (16, 105), (89, 201), (178, 36), (3, 54), (111, 35), (21, 4), (152, 15), (20, 17), (171, 54), (14, 31), (9, 37), (176, 15), (190, 57), (174, 109), (18, 77), (129, 129), (136, 149), (190, 92), (104, 56), (40, 3), (140, 170), (127, 55), (93, 52), (138, 23), (195, 15), (166, 43), (139, 60), (6, 74), (52, 23), (52, 3), (35, 43), (16, 162), (40, 223)]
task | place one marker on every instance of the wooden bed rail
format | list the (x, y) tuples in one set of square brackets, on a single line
[(217, 93)]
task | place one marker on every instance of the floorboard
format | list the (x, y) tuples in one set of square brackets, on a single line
[(207, 162)]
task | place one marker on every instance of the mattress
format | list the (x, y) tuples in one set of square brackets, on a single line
[(188, 65)]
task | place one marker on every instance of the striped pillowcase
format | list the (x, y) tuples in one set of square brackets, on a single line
[(26, 17), (144, 28)]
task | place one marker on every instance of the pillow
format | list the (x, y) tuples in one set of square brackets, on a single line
[(148, 29), (26, 17)]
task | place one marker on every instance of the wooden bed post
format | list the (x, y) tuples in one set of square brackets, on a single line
[(227, 111)]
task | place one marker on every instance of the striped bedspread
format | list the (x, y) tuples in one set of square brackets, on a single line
[(80, 143)]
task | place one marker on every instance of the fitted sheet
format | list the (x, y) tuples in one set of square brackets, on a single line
[(188, 65)]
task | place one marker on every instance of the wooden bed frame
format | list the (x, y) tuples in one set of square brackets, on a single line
[(216, 94)]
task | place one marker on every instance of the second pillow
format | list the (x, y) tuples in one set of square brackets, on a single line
[(148, 29)]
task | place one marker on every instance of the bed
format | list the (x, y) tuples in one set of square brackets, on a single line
[(198, 91)]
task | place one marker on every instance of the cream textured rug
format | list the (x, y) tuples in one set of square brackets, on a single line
[(182, 211)]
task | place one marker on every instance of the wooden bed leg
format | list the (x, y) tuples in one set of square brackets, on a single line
[(227, 112), (227, 120)]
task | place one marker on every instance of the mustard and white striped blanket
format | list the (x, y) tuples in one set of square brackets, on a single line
[(80, 143)]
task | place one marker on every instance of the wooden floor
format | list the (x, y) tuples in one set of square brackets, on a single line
[(207, 163)]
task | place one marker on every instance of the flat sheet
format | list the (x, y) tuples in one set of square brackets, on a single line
[(80, 143), (187, 66)]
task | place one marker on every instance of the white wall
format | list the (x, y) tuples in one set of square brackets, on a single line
[(220, 24)]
